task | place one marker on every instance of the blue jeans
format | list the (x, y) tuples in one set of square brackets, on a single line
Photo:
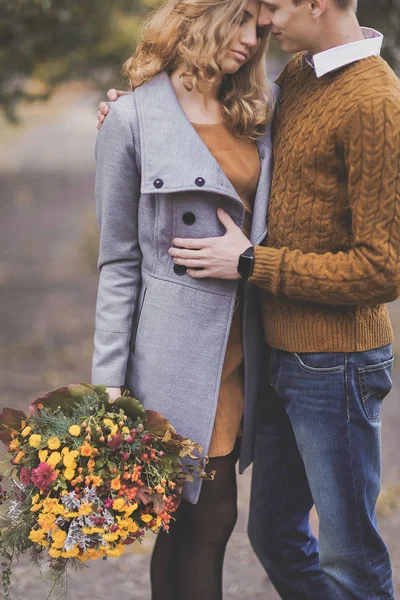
[(318, 441)]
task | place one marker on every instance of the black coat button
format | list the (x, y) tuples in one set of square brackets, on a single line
[(158, 183), (188, 218), (200, 182), (179, 269)]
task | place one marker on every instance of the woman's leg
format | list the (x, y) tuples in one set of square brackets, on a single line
[(187, 562)]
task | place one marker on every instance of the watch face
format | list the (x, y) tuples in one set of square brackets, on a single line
[(245, 266)]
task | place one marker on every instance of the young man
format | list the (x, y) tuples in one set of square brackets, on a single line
[(329, 264)]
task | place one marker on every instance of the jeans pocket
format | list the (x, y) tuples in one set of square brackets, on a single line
[(375, 383), (320, 362)]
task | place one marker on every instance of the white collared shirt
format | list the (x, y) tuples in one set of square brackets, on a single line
[(339, 56)]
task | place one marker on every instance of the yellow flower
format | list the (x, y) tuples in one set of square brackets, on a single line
[(110, 537), (131, 509), (126, 430), (69, 459), (54, 553), (26, 431), (50, 505), (54, 459), (85, 509), (71, 514), (90, 530), (108, 422), (115, 484), (19, 457), (96, 480), (146, 518), (132, 527), (118, 504), (36, 535), (54, 443), (59, 537), (114, 430), (69, 473), (86, 449), (98, 554), (14, 445), (47, 521), (35, 440), (117, 551), (70, 553), (74, 430), (43, 454), (35, 504)]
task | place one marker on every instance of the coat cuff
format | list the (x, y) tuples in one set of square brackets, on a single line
[(110, 357), (266, 272)]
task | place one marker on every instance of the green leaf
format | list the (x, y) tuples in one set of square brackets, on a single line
[(131, 406), (64, 397)]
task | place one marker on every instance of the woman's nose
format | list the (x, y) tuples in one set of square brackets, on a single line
[(249, 37)]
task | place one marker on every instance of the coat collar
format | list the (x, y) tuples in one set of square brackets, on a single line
[(172, 151)]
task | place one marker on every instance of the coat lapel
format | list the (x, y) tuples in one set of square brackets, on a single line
[(173, 152)]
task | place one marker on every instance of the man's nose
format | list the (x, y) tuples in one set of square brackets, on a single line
[(264, 18)]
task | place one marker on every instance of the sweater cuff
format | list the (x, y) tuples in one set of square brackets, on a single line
[(266, 272)]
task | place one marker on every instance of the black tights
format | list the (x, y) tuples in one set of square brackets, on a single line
[(187, 562)]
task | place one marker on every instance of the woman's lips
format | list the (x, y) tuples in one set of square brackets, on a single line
[(240, 55)]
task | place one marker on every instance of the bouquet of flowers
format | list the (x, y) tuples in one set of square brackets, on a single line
[(88, 477)]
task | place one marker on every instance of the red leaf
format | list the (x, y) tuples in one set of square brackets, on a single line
[(10, 420), (157, 423)]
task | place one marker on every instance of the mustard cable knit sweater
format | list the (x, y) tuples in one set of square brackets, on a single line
[(331, 257)]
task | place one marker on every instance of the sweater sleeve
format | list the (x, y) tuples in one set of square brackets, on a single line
[(368, 273), (119, 261)]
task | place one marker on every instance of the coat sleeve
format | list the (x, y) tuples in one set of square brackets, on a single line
[(119, 260), (369, 273)]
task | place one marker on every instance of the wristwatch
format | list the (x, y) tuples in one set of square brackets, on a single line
[(246, 263)]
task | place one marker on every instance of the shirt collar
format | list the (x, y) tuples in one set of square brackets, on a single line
[(339, 56)]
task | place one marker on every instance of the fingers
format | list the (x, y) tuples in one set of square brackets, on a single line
[(112, 95), (199, 274), (191, 263), (225, 219), (192, 243), (187, 254), (115, 94)]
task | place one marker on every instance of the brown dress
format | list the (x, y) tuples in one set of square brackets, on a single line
[(240, 162)]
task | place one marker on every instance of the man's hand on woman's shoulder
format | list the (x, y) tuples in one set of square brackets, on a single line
[(103, 106)]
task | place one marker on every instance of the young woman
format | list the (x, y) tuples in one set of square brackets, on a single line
[(192, 137)]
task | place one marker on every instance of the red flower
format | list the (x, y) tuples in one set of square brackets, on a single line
[(25, 476), (43, 476), (108, 502), (115, 442)]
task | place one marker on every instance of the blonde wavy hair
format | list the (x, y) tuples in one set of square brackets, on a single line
[(197, 34)]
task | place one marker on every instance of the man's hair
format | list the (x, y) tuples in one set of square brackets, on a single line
[(340, 3)]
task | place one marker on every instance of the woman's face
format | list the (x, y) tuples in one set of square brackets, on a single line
[(246, 40)]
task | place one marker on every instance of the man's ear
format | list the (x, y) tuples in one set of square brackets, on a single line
[(318, 7)]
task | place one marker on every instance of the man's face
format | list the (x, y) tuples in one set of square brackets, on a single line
[(291, 25)]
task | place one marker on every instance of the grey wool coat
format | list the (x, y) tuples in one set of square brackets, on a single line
[(159, 332)]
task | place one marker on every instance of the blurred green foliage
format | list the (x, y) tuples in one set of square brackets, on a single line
[(53, 41)]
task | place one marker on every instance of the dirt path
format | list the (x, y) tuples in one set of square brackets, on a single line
[(47, 296)]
